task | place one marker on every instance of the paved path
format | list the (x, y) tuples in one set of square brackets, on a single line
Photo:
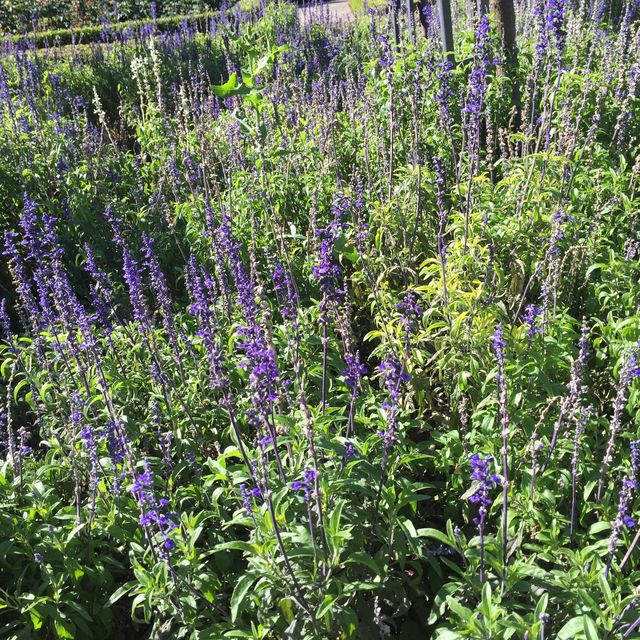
[(337, 10)]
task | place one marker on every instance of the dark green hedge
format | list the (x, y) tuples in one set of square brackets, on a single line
[(87, 35), (19, 16)]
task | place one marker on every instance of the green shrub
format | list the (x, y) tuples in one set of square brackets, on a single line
[(94, 34), (18, 16)]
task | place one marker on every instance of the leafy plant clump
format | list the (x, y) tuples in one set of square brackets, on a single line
[(309, 333)]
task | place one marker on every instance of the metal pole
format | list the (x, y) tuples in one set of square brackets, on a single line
[(446, 30), (409, 9)]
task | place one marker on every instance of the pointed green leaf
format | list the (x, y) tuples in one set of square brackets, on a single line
[(237, 598), (226, 90), (590, 629)]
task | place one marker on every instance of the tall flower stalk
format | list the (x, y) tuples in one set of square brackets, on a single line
[(327, 273), (163, 297), (570, 403), (473, 110), (623, 517), (629, 370), (580, 426), (394, 374), (498, 343)]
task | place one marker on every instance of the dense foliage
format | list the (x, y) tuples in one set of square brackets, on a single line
[(310, 334), (21, 16), (109, 32)]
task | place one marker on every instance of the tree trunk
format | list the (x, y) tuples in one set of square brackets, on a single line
[(446, 29), (444, 21), (505, 19)]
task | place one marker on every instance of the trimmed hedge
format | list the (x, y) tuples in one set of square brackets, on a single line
[(88, 35), (18, 16)]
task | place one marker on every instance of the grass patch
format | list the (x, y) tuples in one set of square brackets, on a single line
[(361, 6)]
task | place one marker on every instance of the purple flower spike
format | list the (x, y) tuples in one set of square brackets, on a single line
[(247, 496), (410, 310), (307, 484), (486, 481), (133, 279), (153, 514), (354, 372), (350, 451), (627, 491), (481, 473), (555, 23), (286, 292), (529, 317)]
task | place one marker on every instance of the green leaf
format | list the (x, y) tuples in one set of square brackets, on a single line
[(238, 545), (16, 391), (447, 634), (286, 604), (233, 88), (226, 90), (359, 586), (590, 629), (486, 604), (63, 628), (349, 619), (240, 591), (334, 520), (74, 531), (462, 612), (125, 588), (137, 602), (440, 602), (588, 488), (327, 603), (360, 557), (344, 249), (471, 491), (572, 629), (603, 583), (541, 607), (263, 63), (436, 535), (36, 618), (599, 527)]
